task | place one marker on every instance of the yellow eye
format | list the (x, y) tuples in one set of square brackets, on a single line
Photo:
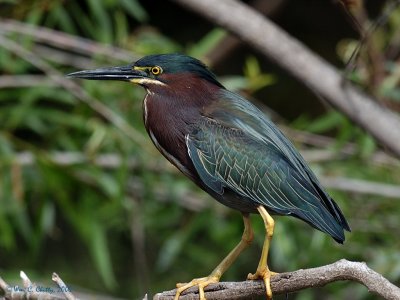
[(156, 70)]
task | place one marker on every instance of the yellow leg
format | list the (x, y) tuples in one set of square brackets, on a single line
[(263, 271), (215, 275)]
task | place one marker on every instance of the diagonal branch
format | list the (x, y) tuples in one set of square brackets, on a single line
[(64, 40), (298, 60), (59, 79), (342, 270)]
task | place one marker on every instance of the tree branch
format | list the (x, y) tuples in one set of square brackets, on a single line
[(229, 43), (58, 78), (32, 291), (295, 281), (113, 160), (313, 71), (29, 290), (64, 40)]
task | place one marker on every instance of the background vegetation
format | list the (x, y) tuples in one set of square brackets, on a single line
[(84, 193)]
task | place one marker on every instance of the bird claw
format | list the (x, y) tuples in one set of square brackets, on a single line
[(200, 282), (265, 275)]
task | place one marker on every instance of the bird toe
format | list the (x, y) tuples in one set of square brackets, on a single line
[(201, 283), (264, 275)]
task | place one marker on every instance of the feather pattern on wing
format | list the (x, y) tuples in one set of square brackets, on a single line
[(236, 147)]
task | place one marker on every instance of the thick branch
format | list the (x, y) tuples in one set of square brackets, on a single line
[(229, 43), (295, 281), (298, 60)]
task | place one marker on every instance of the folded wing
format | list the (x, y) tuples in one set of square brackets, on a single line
[(261, 165)]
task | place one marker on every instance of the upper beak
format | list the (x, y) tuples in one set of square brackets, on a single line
[(124, 73)]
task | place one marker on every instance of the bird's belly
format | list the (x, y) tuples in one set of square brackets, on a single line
[(173, 160), (235, 201)]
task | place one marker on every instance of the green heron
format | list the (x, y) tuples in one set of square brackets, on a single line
[(229, 148)]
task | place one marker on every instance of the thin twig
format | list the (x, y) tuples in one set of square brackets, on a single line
[(138, 238), (361, 186), (328, 143), (63, 287), (290, 282), (76, 90), (65, 41), (25, 280), (21, 81), (61, 57), (29, 290), (105, 160), (359, 18), (3, 285)]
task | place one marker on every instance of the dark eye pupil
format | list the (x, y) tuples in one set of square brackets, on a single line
[(155, 70)]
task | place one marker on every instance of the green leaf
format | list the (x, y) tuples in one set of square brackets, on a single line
[(327, 122), (235, 83), (367, 145), (101, 254), (102, 20), (255, 78), (59, 17), (171, 250), (207, 43), (47, 218), (134, 8)]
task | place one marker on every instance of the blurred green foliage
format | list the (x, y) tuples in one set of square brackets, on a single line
[(130, 224)]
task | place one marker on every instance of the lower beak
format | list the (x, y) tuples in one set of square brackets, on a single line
[(123, 73)]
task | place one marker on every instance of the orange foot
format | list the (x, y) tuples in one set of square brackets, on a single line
[(200, 282), (265, 275)]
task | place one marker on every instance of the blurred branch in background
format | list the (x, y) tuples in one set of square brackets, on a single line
[(138, 236), (20, 81), (65, 42), (229, 43), (358, 15), (59, 79), (115, 161), (307, 67)]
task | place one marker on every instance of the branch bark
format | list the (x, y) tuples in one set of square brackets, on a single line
[(342, 270), (229, 43), (298, 60)]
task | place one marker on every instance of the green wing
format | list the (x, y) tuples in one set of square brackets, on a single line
[(228, 152)]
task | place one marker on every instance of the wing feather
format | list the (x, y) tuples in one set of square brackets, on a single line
[(230, 158), (235, 111)]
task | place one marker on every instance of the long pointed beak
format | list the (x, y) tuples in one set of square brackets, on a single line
[(123, 73)]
